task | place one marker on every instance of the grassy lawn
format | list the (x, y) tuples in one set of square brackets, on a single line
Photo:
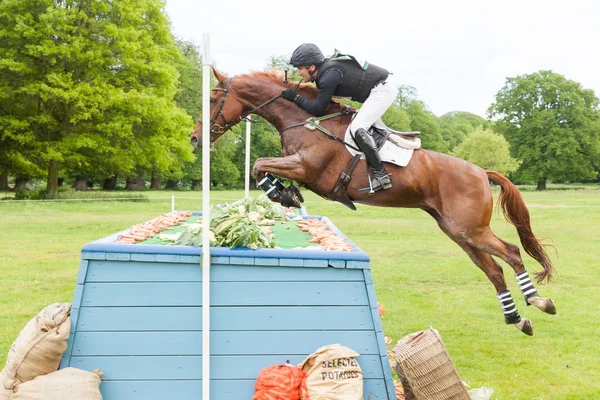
[(421, 277)]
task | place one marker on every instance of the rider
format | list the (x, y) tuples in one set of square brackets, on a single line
[(344, 76)]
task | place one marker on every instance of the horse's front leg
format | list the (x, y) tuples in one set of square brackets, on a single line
[(289, 167)]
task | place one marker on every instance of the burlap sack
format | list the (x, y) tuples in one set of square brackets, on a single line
[(64, 384), (38, 349), (332, 373)]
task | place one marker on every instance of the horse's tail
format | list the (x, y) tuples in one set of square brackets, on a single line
[(515, 211)]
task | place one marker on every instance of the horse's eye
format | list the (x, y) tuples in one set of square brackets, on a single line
[(213, 101)]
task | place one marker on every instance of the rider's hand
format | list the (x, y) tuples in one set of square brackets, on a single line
[(289, 94)]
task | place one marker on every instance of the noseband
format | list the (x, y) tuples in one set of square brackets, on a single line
[(214, 127)]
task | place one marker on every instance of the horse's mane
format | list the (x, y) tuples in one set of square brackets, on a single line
[(308, 90)]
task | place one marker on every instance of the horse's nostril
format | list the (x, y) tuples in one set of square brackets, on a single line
[(193, 139)]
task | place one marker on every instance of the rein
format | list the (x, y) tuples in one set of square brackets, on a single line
[(314, 123)]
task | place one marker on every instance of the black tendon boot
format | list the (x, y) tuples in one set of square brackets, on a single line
[(380, 178)]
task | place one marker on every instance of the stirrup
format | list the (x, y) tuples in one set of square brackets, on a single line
[(378, 186)]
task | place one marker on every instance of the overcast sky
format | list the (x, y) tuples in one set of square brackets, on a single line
[(456, 53)]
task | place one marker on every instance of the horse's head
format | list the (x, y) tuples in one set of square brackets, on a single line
[(223, 114), (233, 99)]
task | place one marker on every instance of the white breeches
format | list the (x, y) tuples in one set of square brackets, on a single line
[(381, 98)]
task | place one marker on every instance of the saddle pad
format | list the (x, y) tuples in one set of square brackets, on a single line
[(389, 152)]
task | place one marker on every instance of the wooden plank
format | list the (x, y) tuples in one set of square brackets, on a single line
[(76, 305), (168, 258), (368, 276), (93, 255), (218, 260), (374, 389), (118, 319), (137, 271), (266, 261), (146, 257), (241, 260), (190, 367), (225, 294), (233, 273), (190, 259), (337, 263), (387, 374), (358, 264), (118, 256), (83, 267), (222, 342), (291, 262), (115, 271)]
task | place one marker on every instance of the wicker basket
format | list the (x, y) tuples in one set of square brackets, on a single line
[(427, 367)]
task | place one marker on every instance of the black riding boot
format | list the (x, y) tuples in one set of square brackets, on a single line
[(380, 179)]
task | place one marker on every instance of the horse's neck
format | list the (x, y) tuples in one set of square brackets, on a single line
[(284, 114), (277, 112)]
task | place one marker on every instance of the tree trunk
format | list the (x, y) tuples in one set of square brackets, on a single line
[(21, 184), (4, 182), (52, 183), (61, 181), (195, 184), (110, 183), (80, 184), (541, 184), (136, 183), (155, 183), (171, 184)]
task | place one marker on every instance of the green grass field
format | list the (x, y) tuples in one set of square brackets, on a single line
[(421, 277)]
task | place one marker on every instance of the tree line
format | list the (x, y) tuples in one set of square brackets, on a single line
[(101, 93)]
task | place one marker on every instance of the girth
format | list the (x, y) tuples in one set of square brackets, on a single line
[(340, 190)]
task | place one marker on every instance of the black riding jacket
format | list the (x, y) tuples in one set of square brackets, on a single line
[(344, 78)]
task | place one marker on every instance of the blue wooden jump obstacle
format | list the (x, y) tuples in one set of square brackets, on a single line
[(137, 316)]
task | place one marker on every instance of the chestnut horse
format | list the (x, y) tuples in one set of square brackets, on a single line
[(454, 192)]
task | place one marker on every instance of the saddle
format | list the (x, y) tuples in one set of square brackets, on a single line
[(407, 140)]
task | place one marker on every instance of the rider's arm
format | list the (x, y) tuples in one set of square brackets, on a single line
[(327, 85)]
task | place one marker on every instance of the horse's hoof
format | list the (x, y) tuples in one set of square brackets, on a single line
[(524, 325), (289, 199), (544, 304)]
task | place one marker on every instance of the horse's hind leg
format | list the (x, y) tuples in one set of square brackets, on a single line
[(494, 273), (510, 253)]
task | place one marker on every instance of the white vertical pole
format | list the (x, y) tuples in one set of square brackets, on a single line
[(172, 203), (205, 263), (248, 128)]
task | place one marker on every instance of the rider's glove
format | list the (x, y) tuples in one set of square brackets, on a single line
[(289, 94)]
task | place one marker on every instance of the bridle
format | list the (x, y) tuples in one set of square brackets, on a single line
[(216, 129)]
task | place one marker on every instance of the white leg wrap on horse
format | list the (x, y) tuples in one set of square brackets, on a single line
[(511, 315), (526, 285)]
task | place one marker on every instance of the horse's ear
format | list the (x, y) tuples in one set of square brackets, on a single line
[(220, 77)]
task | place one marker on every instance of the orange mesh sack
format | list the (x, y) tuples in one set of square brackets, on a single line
[(278, 382)]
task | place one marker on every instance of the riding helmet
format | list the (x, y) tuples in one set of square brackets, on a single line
[(307, 54)]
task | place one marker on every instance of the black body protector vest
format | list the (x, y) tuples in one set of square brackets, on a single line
[(358, 80)]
